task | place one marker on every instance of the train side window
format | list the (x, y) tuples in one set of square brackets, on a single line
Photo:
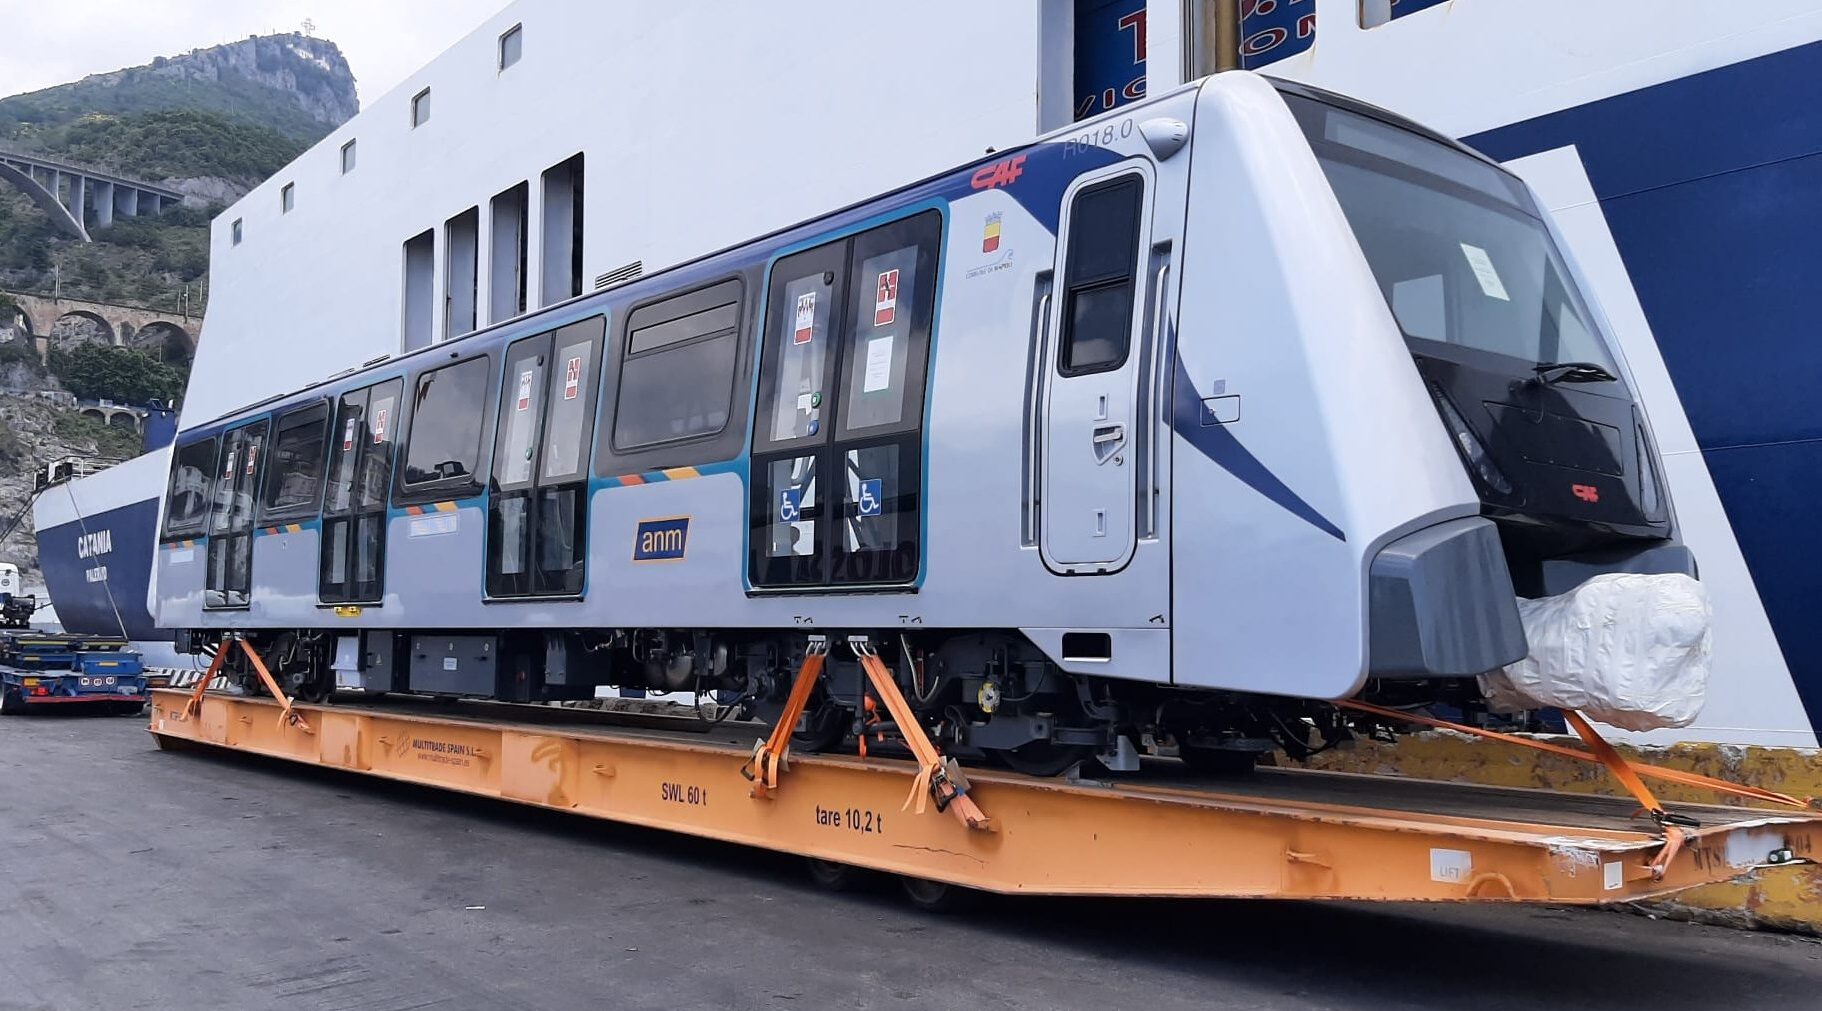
[(187, 499), (446, 424), (294, 482), (677, 375), (353, 559), (1100, 275)]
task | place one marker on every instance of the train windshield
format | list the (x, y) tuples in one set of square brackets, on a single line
[(1456, 244)]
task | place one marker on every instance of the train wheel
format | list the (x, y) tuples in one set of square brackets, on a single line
[(1044, 758), (823, 728), (835, 877), (935, 896)]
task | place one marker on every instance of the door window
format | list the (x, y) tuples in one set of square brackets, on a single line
[(229, 580), (1100, 276), (860, 309), (353, 561), (537, 532)]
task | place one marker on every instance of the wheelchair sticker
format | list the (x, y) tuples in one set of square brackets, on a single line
[(870, 500)]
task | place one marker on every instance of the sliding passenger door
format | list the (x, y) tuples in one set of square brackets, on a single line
[(837, 463), (537, 530), (352, 565), (229, 581), (1089, 489)]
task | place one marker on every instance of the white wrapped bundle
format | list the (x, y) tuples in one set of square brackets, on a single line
[(1627, 650)]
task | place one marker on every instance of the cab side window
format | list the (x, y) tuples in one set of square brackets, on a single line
[(187, 498)]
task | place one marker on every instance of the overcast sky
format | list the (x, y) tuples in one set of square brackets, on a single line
[(46, 42)]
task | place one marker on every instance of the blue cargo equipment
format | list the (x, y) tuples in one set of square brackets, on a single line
[(39, 670)]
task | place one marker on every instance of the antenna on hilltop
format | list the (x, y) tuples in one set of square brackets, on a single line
[(309, 27)]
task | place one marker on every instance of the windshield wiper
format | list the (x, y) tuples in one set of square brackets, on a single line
[(1574, 372)]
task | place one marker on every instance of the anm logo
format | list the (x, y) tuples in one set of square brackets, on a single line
[(662, 540)]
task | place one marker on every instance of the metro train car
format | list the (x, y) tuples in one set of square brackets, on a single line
[(1150, 434)]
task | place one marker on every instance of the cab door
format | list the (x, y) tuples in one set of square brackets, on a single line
[(229, 580), (1089, 464), (537, 529)]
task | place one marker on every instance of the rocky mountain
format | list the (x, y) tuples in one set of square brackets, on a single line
[(211, 123)]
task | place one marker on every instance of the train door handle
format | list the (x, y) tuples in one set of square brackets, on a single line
[(1107, 441)]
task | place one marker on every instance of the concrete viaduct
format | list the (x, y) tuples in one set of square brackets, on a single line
[(171, 336), (69, 193)]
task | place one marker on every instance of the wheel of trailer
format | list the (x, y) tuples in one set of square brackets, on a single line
[(1220, 761), (1044, 758), (833, 876), (935, 896), (11, 702)]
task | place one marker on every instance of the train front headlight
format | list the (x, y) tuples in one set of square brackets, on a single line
[(1470, 446)]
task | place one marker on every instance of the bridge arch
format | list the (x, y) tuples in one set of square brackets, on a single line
[(46, 201), (171, 342), (70, 330)]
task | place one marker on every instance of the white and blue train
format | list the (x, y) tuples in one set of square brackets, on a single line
[(1149, 431)]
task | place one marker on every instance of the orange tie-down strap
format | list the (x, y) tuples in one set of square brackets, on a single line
[(285, 714), (773, 753), (937, 776), (1630, 774)]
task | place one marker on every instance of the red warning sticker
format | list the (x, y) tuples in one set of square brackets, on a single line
[(524, 391), (379, 425), (805, 329), (572, 379), (252, 457), (885, 298), (348, 434)]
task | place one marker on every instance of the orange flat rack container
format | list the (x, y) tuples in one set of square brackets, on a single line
[(1275, 833)]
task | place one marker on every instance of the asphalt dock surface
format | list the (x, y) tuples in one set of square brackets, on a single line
[(137, 878)]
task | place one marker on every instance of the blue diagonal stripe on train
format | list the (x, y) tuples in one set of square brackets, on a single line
[(1222, 447)]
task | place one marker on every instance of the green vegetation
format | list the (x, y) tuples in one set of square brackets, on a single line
[(109, 441), (125, 376), (139, 261), (174, 144), (19, 352), (154, 88)]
